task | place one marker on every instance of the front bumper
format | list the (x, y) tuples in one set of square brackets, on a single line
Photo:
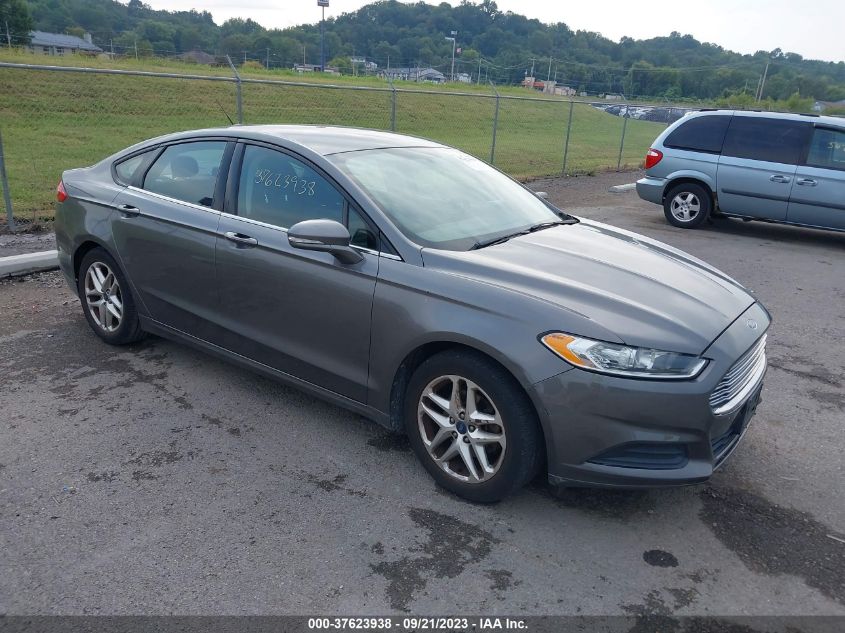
[(618, 432), (651, 189)]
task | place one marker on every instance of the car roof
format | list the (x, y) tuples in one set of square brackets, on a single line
[(320, 139), (809, 118)]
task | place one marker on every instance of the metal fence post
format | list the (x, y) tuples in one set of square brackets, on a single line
[(622, 143), (392, 105), (4, 183), (239, 94), (568, 130), (495, 126)]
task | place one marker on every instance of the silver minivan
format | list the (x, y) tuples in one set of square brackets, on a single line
[(786, 168)]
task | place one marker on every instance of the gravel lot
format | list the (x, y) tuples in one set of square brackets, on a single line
[(154, 479)]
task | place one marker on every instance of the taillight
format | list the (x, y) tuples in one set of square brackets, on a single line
[(652, 157), (61, 194)]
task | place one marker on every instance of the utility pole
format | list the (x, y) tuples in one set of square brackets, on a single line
[(136, 49), (322, 4), (454, 41), (303, 57), (763, 82), (532, 67), (267, 63), (8, 35), (479, 71), (549, 77), (111, 47), (244, 52)]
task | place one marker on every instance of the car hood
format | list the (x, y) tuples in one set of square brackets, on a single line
[(643, 291)]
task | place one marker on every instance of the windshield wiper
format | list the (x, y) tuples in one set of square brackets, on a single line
[(531, 229)]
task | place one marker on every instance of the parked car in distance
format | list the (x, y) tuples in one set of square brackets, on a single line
[(785, 168), (422, 288)]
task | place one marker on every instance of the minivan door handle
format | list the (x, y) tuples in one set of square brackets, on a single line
[(806, 182), (240, 239), (779, 178), (128, 210)]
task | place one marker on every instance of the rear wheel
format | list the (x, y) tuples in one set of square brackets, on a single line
[(106, 299), (687, 205), (472, 426)]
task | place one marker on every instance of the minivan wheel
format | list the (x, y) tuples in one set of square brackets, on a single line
[(106, 299), (472, 426), (687, 205)]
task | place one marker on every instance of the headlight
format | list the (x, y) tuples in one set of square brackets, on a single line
[(621, 360)]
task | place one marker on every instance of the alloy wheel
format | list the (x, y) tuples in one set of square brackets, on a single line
[(461, 429), (685, 206), (103, 296)]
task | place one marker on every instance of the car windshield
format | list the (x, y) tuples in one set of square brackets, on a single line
[(443, 198)]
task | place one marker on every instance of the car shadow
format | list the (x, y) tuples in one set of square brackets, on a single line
[(776, 232)]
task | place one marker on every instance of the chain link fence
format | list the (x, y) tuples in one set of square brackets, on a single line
[(54, 118)]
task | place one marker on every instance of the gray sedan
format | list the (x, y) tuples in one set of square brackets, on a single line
[(422, 288)]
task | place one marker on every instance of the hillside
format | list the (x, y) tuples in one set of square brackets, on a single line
[(498, 46)]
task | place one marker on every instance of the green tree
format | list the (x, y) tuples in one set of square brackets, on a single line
[(15, 22)]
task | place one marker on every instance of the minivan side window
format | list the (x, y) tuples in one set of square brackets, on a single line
[(767, 139), (278, 189), (700, 134), (187, 172), (827, 149)]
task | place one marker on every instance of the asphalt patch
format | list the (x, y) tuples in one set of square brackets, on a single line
[(774, 540), (450, 546)]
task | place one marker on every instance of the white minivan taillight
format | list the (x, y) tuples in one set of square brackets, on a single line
[(652, 157)]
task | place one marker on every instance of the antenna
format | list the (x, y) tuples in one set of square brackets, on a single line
[(226, 114)]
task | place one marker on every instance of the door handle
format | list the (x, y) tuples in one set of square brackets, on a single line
[(779, 178), (240, 239), (806, 182), (128, 210)]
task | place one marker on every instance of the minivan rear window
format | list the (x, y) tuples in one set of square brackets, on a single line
[(768, 139), (700, 134)]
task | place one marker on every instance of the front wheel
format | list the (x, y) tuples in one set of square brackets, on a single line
[(687, 205), (472, 426)]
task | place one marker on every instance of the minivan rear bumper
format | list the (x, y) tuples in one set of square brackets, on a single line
[(651, 189)]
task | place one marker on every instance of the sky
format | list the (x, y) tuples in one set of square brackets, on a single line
[(812, 28)]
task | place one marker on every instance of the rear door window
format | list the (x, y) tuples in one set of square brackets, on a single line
[(765, 139), (700, 134), (827, 149), (187, 172)]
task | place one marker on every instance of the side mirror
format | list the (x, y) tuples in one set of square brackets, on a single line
[(325, 236)]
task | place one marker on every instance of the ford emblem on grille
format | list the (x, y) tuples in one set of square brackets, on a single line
[(751, 324)]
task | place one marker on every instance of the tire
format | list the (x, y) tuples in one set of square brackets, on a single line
[(514, 458), (687, 205), (106, 299)]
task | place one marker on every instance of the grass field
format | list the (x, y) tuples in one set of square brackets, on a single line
[(53, 120)]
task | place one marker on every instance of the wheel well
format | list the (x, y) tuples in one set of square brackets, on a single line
[(694, 181), (416, 358), (80, 254)]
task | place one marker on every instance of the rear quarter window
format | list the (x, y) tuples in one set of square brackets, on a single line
[(766, 139), (126, 169), (700, 134)]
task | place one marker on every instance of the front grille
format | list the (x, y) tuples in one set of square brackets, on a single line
[(740, 380), (651, 456)]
